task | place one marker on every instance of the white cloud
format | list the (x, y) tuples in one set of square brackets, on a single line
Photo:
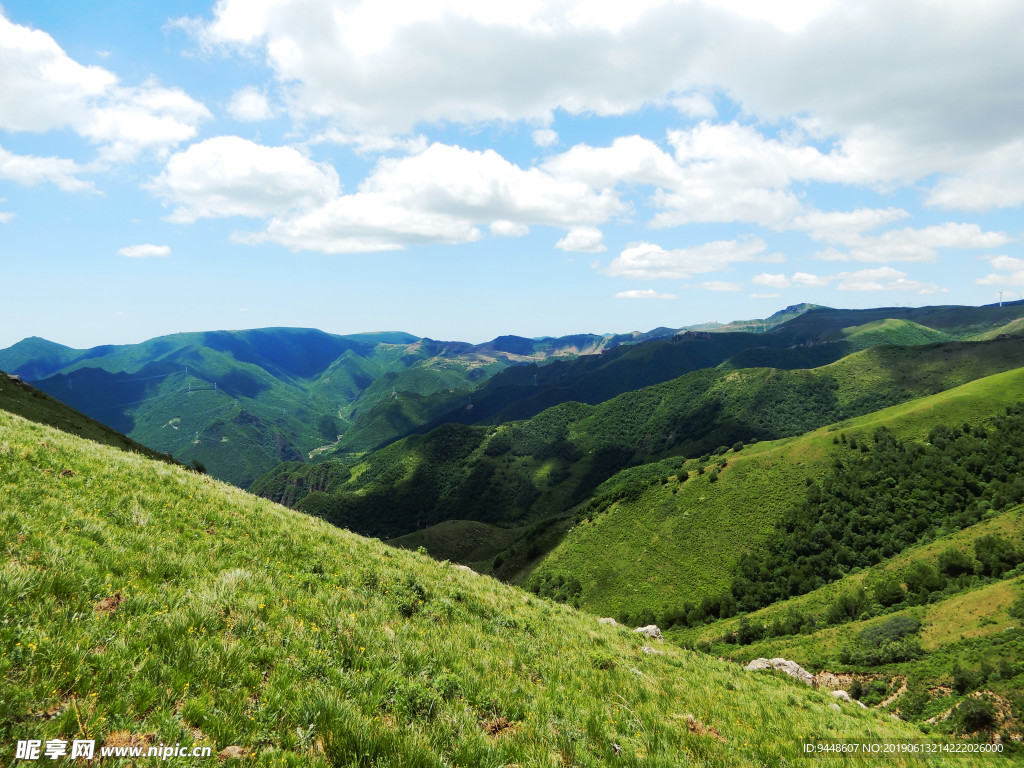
[(582, 240), (694, 105), (231, 176), (43, 89), (250, 105), (1012, 269), (911, 244), (647, 261), (808, 280), (644, 294), (995, 181), (145, 251), (771, 281), (629, 160), (442, 195), (845, 226), (6, 216), (29, 170), (504, 228), (544, 137), (883, 279), (720, 285)]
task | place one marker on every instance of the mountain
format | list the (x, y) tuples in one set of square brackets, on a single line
[(256, 631), (26, 401), (800, 336), (520, 473), (240, 402)]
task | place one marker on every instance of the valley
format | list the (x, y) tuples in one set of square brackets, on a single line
[(708, 481)]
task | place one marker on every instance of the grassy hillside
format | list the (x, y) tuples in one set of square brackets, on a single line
[(678, 536), (141, 604), (522, 472), (968, 644), (30, 403)]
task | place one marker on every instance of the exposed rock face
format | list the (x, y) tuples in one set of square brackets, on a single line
[(651, 631), (608, 620), (647, 649), (791, 668)]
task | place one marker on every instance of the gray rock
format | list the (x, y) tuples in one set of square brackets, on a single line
[(651, 631), (844, 696), (791, 668), (608, 620), (655, 651)]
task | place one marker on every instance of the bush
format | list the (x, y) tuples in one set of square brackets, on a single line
[(974, 715), (953, 562)]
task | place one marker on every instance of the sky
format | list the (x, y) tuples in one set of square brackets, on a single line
[(462, 169)]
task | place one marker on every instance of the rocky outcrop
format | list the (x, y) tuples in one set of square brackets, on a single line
[(608, 620), (651, 631), (791, 668)]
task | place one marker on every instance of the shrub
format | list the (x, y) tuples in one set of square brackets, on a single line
[(974, 715)]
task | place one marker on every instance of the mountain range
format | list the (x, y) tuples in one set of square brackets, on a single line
[(839, 487)]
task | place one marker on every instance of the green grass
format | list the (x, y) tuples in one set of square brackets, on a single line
[(678, 542), (139, 600)]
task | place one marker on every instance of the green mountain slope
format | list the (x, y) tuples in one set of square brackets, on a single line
[(522, 472), (240, 402), (678, 538), (30, 403), (965, 651), (144, 605)]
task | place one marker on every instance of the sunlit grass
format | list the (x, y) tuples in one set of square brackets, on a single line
[(141, 598)]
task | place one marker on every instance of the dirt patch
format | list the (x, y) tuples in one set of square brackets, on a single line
[(696, 726), (497, 726), (128, 739), (109, 604)]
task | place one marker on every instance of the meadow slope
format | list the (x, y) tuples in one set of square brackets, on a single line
[(144, 604)]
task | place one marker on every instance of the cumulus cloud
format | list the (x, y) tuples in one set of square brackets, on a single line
[(43, 89), (231, 176), (582, 240), (443, 194), (647, 261), (644, 294), (6, 216), (544, 137), (845, 227), (379, 63), (145, 251), (1010, 272), (29, 170), (912, 244), (504, 228), (995, 181), (883, 279), (250, 105)]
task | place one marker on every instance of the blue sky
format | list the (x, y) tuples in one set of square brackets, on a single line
[(462, 170)]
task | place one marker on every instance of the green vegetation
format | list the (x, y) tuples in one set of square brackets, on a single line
[(242, 402), (649, 553), (142, 603)]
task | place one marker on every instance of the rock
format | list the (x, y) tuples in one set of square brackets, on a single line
[(836, 707), (844, 696), (791, 668), (608, 620), (465, 568), (651, 631), (655, 651), (231, 752)]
